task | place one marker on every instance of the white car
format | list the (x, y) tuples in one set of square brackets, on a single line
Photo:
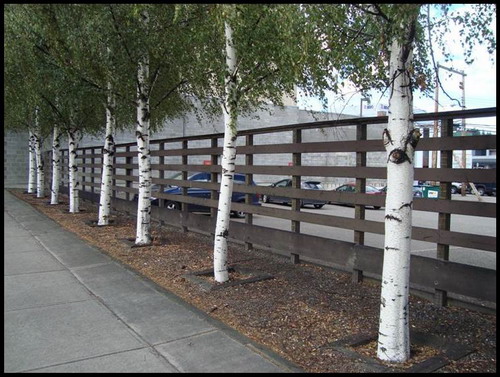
[(456, 187)]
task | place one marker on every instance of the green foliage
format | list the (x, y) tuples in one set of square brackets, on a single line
[(274, 47), (70, 52), (19, 101), (73, 39), (163, 39), (91, 45), (357, 38), (33, 79), (474, 27)]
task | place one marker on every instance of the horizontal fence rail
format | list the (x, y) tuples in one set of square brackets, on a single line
[(332, 152)]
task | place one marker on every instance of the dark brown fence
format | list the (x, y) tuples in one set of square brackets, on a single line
[(263, 155)]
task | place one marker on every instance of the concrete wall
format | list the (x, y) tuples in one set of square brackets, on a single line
[(15, 159)]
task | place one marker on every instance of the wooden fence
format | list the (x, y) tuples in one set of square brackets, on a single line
[(437, 278)]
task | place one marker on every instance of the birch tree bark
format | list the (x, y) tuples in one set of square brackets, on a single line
[(221, 273), (143, 234), (40, 181), (32, 163), (400, 139), (107, 161), (56, 166), (74, 182)]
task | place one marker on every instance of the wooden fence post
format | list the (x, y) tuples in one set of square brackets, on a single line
[(83, 178), (248, 182), (161, 201), (47, 163), (113, 181), (444, 219), (296, 179), (184, 206), (213, 176), (128, 172), (64, 170), (92, 171), (359, 209)]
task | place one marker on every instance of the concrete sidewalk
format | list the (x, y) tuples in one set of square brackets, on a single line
[(70, 308)]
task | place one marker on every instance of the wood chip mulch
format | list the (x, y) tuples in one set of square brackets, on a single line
[(297, 313)]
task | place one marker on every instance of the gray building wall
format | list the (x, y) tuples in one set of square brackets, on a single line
[(16, 150), (15, 159)]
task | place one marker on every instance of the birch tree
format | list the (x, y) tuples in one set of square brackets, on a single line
[(22, 101), (56, 165), (252, 55), (153, 42), (143, 235), (89, 54), (77, 112), (64, 102), (31, 163), (387, 49), (113, 48), (74, 180), (107, 160), (73, 115), (81, 46), (400, 141), (229, 108), (40, 166), (77, 43)]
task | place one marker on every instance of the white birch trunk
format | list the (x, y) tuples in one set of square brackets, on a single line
[(143, 233), (31, 164), (56, 166), (221, 273), (40, 173), (74, 181), (400, 140), (107, 162)]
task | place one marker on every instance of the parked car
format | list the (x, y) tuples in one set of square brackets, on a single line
[(483, 188), (351, 187), (306, 185), (237, 197), (418, 190)]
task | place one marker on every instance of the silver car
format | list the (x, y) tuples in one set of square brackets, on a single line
[(306, 185)]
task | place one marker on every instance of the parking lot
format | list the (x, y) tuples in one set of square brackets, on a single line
[(460, 223)]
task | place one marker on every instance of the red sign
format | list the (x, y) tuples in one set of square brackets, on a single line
[(207, 162)]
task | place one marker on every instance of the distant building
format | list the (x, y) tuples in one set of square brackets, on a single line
[(485, 159)]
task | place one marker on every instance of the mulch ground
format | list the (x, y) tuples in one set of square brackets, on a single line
[(298, 314)]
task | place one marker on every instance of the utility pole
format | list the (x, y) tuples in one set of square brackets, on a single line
[(461, 86), (464, 152), (436, 122)]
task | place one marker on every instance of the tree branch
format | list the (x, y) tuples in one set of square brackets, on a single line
[(257, 81), (153, 82), (378, 12), (182, 82), (117, 29), (52, 106), (434, 60), (75, 72)]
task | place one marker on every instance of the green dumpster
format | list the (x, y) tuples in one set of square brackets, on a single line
[(431, 192)]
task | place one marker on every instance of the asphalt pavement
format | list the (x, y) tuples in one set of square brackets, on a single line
[(68, 307)]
